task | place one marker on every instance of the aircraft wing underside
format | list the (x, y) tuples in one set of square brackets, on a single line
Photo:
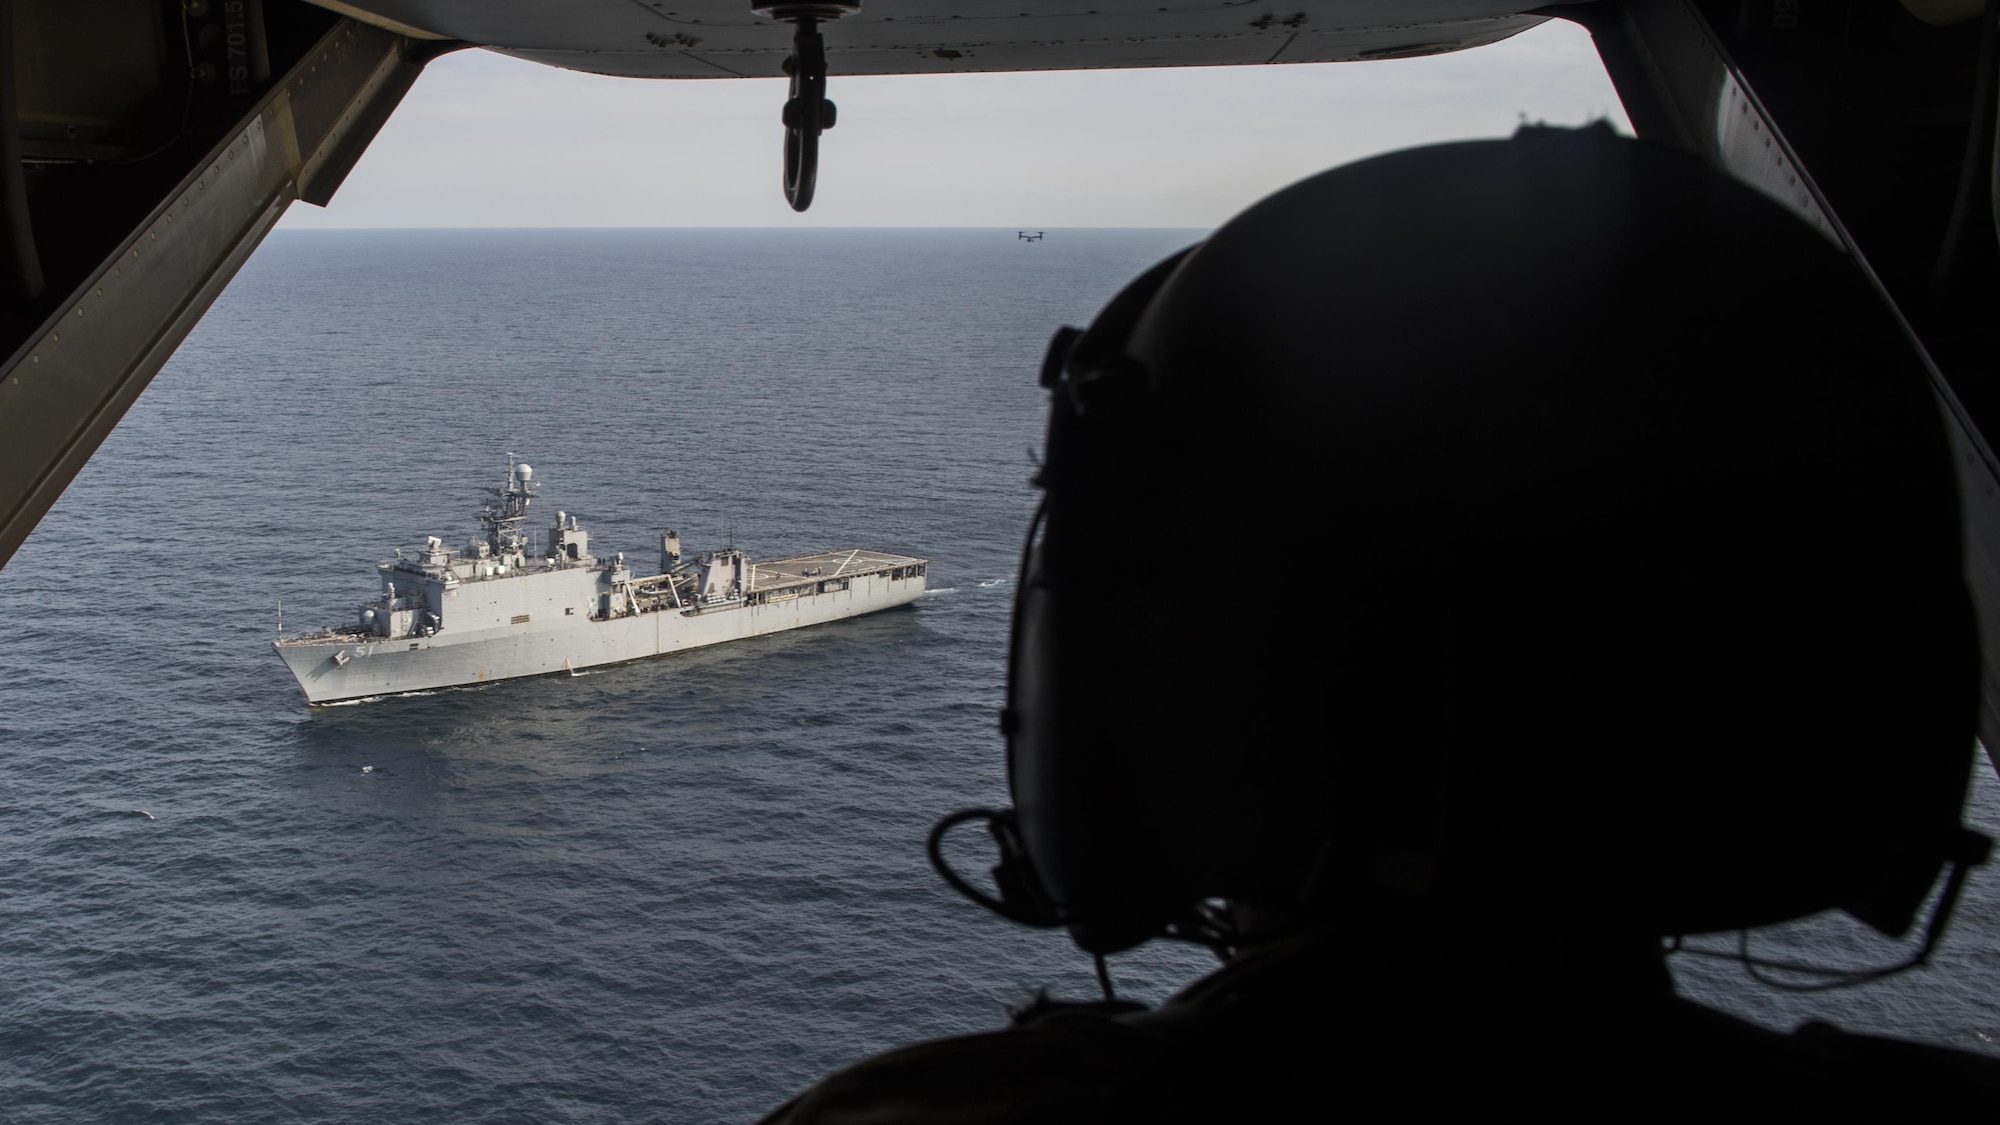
[(146, 147), (726, 39)]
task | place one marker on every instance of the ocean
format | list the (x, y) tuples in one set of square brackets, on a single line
[(673, 891)]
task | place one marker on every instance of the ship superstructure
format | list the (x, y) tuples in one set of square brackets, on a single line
[(500, 609)]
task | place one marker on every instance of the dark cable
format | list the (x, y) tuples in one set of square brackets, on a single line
[(1978, 159), (1021, 899), (1758, 968), (180, 132), (934, 847), (1104, 978)]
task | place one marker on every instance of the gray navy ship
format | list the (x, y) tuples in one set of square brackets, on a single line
[(498, 610)]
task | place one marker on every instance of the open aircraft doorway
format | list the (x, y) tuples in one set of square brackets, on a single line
[(394, 881)]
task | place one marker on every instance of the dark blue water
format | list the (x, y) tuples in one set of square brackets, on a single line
[(672, 891)]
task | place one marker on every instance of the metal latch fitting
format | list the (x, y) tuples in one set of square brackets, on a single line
[(807, 111)]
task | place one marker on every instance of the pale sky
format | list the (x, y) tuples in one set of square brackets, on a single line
[(487, 141)]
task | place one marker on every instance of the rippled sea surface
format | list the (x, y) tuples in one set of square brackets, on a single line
[(677, 890)]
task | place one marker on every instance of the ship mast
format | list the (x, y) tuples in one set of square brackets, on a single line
[(505, 513)]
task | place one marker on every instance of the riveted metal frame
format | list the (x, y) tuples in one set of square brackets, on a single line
[(74, 376), (1680, 85)]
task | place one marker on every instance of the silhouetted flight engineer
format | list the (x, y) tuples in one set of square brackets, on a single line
[(1604, 585)]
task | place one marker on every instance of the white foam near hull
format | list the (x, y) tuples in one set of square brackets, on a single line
[(356, 667)]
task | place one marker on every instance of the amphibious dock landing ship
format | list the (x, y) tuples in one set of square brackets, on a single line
[(498, 610)]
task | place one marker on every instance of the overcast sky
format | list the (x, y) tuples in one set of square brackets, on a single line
[(487, 141)]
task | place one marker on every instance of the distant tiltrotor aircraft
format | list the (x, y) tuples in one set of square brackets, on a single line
[(1028, 235)]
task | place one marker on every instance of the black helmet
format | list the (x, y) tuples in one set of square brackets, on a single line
[(1539, 530)]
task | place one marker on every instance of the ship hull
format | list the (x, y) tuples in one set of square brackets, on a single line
[(341, 669)]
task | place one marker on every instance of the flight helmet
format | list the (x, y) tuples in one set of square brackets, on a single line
[(1549, 530)]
